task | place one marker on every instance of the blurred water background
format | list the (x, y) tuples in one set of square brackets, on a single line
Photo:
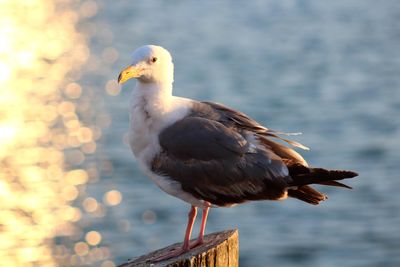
[(330, 69)]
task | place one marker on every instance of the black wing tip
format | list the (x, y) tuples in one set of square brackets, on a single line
[(343, 174), (351, 174), (346, 186)]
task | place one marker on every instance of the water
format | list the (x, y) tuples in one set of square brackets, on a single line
[(328, 69)]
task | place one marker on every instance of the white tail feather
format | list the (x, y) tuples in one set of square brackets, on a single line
[(293, 143), (284, 133)]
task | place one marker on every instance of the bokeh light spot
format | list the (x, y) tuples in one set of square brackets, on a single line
[(112, 198), (90, 204), (81, 248), (110, 55), (93, 238), (113, 88), (73, 90), (88, 8), (69, 192), (76, 177)]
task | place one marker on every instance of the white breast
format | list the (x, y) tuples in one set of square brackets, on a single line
[(146, 123), (140, 134), (149, 115), (148, 119)]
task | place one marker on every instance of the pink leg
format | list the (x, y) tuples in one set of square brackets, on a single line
[(200, 238), (185, 248), (192, 217)]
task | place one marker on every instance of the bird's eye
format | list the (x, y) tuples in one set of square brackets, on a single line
[(153, 59)]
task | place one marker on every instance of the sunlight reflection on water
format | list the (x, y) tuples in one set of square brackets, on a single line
[(48, 132)]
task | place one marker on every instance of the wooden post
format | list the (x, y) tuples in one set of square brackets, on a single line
[(219, 250)]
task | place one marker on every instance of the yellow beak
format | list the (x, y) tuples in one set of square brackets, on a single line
[(128, 73)]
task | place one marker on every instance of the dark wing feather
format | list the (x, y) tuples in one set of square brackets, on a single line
[(202, 139), (214, 162), (230, 116)]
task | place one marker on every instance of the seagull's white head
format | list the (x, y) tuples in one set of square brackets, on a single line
[(151, 64)]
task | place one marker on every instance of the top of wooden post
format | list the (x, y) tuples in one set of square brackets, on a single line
[(220, 249)]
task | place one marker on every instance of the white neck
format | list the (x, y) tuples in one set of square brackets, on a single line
[(152, 109), (154, 98)]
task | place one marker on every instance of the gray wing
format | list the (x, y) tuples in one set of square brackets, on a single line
[(241, 121), (202, 139), (216, 163)]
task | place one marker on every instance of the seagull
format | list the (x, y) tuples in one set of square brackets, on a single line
[(207, 154)]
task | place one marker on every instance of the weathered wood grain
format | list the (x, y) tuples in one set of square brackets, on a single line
[(220, 249)]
